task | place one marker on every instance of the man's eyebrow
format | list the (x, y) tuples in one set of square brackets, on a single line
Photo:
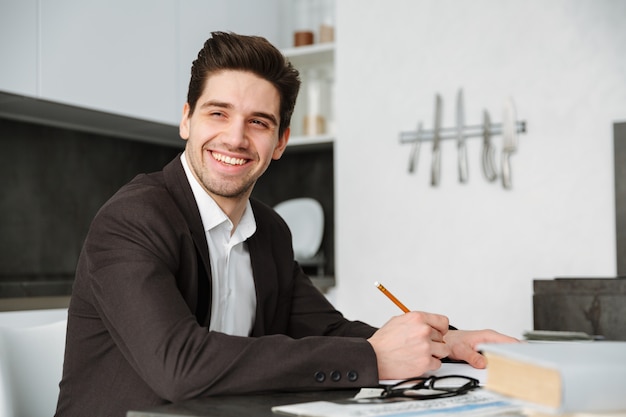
[(267, 116), (225, 105), (215, 103)]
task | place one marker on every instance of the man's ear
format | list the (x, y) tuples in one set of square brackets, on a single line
[(183, 128), (282, 144)]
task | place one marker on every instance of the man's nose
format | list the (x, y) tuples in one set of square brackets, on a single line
[(236, 134)]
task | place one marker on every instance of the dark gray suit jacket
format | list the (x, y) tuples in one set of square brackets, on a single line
[(139, 313)]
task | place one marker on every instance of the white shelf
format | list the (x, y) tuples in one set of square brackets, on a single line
[(311, 55), (303, 58), (300, 142)]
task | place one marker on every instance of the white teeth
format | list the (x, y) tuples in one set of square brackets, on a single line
[(228, 160)]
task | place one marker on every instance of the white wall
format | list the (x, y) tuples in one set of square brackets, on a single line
[(198, 18), (128, 58), (472, 251)]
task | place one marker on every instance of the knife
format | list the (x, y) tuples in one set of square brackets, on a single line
[(460, 137), (509, 143), (489, 151), (436, 162)]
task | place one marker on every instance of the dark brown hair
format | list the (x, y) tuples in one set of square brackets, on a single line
[(230, 51)]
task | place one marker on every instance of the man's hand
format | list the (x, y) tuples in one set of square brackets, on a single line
[(463, 344), (410, 345)]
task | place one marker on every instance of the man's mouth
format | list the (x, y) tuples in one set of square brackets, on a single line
[(227, 159)]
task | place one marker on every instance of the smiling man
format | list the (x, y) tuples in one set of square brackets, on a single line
[(186, 287), (232, 135)]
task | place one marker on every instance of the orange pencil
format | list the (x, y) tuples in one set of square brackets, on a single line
[(391, 297), (396, 301)]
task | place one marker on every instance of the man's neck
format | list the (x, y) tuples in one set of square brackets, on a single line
[(232, 207)]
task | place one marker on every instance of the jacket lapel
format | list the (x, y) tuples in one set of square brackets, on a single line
[(259, 245), (265, 274), (178, 186)]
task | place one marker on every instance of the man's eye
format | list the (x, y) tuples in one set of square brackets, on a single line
[(260, 123)]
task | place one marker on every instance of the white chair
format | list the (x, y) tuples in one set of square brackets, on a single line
[(32, 345), (305, 218)]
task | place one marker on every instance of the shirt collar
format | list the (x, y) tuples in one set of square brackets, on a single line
[(211, 214)]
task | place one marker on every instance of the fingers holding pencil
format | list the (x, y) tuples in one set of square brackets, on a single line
[(424, 332), (410, 344), (414, 342)]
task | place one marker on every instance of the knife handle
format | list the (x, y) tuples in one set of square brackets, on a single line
[(506, 170), (489, 163), (435, 167), (415, 151), (463, 174)]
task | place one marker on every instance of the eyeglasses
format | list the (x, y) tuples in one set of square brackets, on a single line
[(426, 388)]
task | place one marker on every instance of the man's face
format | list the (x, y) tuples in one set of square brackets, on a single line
[(232, 135)]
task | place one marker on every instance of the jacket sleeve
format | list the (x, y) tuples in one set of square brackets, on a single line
[(306, 310), (128, 290), (312, 313)]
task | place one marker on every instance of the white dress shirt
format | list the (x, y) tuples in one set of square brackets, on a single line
[(233, 302)]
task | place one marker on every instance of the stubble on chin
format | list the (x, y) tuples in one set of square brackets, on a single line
[(225, 187), (232, 188)]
